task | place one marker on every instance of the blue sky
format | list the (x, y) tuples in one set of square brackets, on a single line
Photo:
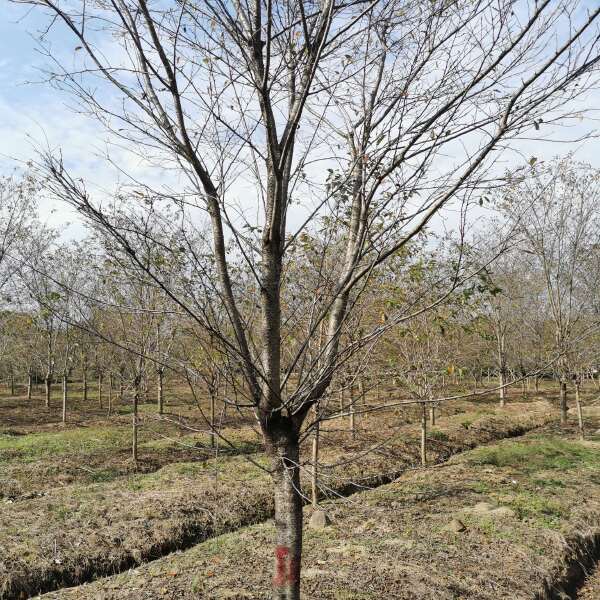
[(33, 114)]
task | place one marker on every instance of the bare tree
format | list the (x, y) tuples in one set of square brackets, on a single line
[(250, 104), (559, 228)]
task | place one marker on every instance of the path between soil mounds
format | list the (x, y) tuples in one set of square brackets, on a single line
[(579, 576), (590, 589), (519, 502), (193, 514)]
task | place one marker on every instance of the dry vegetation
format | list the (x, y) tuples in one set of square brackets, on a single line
[(318, 273), (83, 511), (522, 503)]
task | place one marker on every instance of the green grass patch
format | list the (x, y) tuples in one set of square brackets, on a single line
[(546, 512), (104, 475), (548, 482), (540, 454), (70, 441), (480, 487), (436, 434)]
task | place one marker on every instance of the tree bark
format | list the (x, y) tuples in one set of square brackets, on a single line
[(65, 393), (579, 412), (29, 384), (212, 393), (160, 392), (100, 390), (501, 349), (110, 391), (288, 515), (134, 421), (563, 403), (85, 386), (314, 483), (48, 389), (423, 435), (432, 415), (352, 409)]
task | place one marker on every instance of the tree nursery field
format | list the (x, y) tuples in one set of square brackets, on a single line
[(300, 299), (191, 520)]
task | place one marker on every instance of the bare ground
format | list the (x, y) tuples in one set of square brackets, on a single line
[(80, 532), (591, 587), (521, 502)]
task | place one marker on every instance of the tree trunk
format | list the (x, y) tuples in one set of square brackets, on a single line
[(432, 415), (314, 484), (85, 386), (537, 384), (134, 421), (12, 383), (579, 411), (65, 393), (501, 350), (160, 392), (110, 391), (352, 415), (29, 384), (100, 390), (48, 389), (212, 394), (423, 435), (563, 403), (288, 516)]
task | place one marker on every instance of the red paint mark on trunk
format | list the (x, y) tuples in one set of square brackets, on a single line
[(287, 567), (282, 554)]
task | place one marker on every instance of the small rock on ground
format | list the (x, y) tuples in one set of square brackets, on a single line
[(319, 520), (455, 526)]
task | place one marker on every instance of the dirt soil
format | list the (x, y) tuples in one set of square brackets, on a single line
[(591, 588), (491, 523), (80, 532)]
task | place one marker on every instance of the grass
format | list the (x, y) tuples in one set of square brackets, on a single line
[(33, 447), (536, 455), (391, 542), (546, 512), (151, 511), (436, 434), (545, 469)]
